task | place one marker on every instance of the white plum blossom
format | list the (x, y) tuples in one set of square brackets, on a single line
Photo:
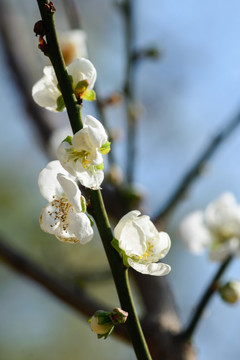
[(73, 45), (82, 74), (218, 228), (81, 155), (64, 215), (141, 244)]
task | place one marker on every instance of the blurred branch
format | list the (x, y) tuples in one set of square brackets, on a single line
[(127, 10), (196, 168), (73, 14), (19, 69), (72, 295), (204, 300)]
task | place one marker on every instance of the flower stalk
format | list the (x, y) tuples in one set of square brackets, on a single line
[(97, 208)]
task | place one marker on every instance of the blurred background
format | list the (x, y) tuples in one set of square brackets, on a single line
[(192, 91)]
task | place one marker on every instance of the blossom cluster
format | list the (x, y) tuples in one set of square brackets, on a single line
[(80, 161), (216, 228)]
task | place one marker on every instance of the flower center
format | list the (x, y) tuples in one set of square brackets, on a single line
[(60, 211), (148, 252), (75, 155)]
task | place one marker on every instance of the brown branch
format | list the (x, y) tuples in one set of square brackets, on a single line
[(195, 170), (11, 45), (71, 294)]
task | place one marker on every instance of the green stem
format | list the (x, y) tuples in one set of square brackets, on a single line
[(55, 55), (120, 273), (210, 290), (120, 276)]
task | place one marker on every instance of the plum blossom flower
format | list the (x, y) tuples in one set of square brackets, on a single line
[(82, 74), (141, 244), (73, 45), (218, 227), (64, 216), (81, 155)]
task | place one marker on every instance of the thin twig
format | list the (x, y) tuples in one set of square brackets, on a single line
[(19, 70), (196, 168), (207, 295), (127, 7)]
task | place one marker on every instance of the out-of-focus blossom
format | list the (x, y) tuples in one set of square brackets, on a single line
[(73, 45), (218, 227)]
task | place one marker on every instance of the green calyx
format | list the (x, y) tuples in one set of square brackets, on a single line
[(68, 139), (105, 148), (83, 204), (89, 95), (60, 103), (91, 220), (82, 92), (99, 167), (115, 244)]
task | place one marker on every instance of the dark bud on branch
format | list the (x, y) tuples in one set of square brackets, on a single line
[(39, 28), (114, 99), (50, 8), (42, 45), (151, 53)]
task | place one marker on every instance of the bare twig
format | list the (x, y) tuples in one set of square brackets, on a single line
[(204, 300), (196, 168), (19, 70)]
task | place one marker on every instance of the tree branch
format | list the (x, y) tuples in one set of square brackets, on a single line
[(19, 70), (196, 169), (204, 300), (70, 294)]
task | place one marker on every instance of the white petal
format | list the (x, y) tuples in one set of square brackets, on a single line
[(63, 157), (163, 245), (132, 215), (72, 191), (81, 140), (82, 69), (45, 92), (132, 239), (80, 226), (91, 179), (156, 269), (65, 235), (47, 221), (47, 180), (96, 131), (194, 233)]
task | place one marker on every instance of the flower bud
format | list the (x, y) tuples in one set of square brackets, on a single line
[(230, 292), (118, 316), (101, 323)]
